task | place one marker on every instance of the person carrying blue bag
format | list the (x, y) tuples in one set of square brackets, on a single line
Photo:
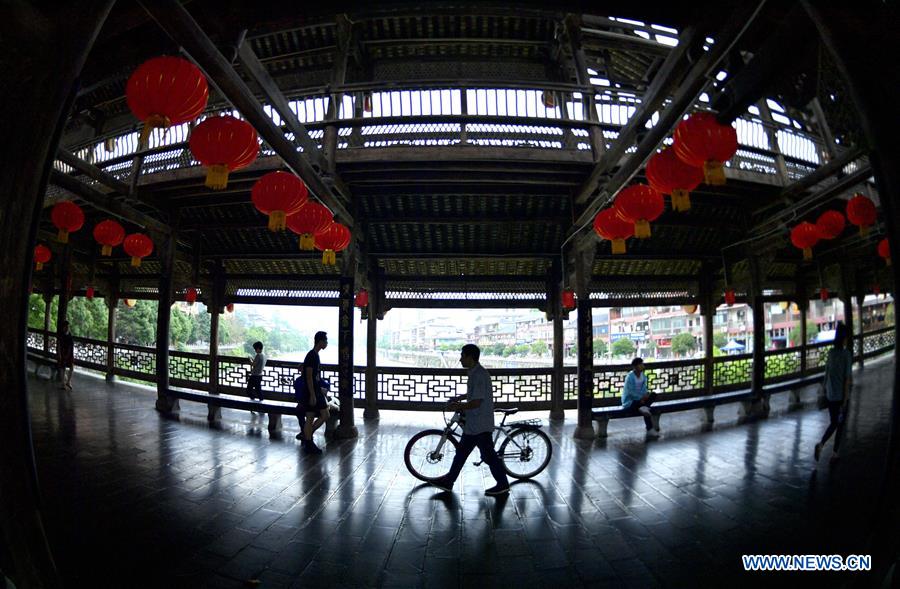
[(312, 404)]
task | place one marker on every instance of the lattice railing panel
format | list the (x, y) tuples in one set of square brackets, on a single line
[(90, 352), (135, 361), (190, 367), (279, 375), (34, 341), (732, 371), (817, 356), (782, 364), (878, 341), (662, 378)]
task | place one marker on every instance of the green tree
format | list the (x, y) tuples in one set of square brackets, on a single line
[(720, 340), (889, 314), (683, 343), (539, 348), (256, 334), (623, 347), (200, 327), (179, 327), (136, 325), (87, 318), (508, 351), (522, 349), (600, 347), (497, 349)]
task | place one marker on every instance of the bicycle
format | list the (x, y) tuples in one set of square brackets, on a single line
[(525, 450)]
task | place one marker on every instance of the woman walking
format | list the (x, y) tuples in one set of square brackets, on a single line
[(837, 389)]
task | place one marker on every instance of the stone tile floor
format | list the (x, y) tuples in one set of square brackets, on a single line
[(133, 499)]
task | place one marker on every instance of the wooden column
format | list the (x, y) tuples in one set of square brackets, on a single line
[(214, 305), (760, 406), (772, 136), (339, 75), (803, 304), (346, 429), (371, 411), (554, 313), (708, 310), (65, 288), (166, 249), (860, 298), (46, 45), (48, 303), (847, 299), (112, 303), (572, 25), (583, 269)]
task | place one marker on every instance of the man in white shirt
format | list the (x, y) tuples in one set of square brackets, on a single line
[(478, 427)]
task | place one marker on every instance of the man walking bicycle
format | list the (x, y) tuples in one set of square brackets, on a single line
[(478, 428)]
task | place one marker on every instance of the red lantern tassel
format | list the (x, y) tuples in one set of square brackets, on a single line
[(38, 266), (152, 122), (641, 229), (106, 250), (62, 236), (864, 230), (714, 173), (328, 258), (276, 221), (807, 253), (618, 246), (217, 177), (887, 261), (681, 200), (307, 242), (135, 262), (823, 294)]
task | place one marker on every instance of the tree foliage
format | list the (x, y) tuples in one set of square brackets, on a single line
[(600, 347), (623, 347), (539, 348), (683, 343)]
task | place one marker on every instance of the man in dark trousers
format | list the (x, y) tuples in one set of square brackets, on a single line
[(254, 380), (479, 425), (313, 404)]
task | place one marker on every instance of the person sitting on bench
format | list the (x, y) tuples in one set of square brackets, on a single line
[(635, 397)]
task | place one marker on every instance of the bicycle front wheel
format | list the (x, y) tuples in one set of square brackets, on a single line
[(426, 458), (525, 453)]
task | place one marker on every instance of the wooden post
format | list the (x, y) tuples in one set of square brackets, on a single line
[(708, 311), (345, 358), (860, 298), (50, 42), (760, 405), (847, 299), (803, 304), (572, 24), (166, 244), (112, 303), (371, 411), (554, 313), (48, 302), (772, 136), (62, 306), (583, 270)]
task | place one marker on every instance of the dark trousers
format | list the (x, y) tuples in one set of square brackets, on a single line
[(836, 424), (485, 445), (636, 405), (254, 383)]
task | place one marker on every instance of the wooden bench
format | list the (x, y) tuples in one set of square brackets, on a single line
[(41, 360), (273, 408), (750, 405)]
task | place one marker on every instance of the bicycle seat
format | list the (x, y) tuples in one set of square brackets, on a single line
[(507, 411)]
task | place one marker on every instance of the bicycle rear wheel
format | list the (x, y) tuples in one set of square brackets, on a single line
[(423, 458), (526, 452)]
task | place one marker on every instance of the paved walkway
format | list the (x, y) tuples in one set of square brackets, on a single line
[(133, 499)]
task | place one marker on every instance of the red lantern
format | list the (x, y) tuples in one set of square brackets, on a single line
[(362, 299), (729, 296), (823, 294), (109, 234), (138, 245), (805, 236), (689, 309), (279, 195), (861, 212), (166, 91), (42, 255), (334, 238), (190, 296), (223, 144), (568, 299), (669, 175), (230, 307), (608, 225), (884, 250), (89, 293), (830, 224), (701, 141), (309, 220), (67, 217), (639, 204), (130, 303), (367, 102)]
